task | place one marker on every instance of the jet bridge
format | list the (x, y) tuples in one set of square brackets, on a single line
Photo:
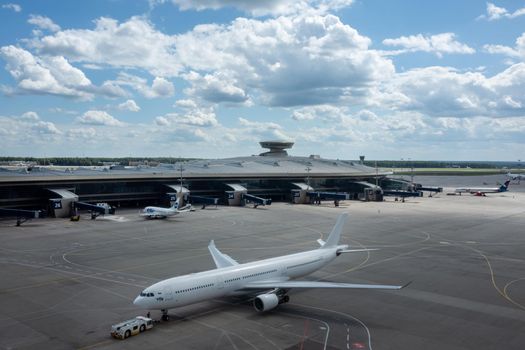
[(250, 198), (235, 194), (21, 215), (436, 189), (94, 209), (370, 192), (181, 193), (403, 194), (318, 196), (203, 200), (61, 206), (238, 195), (299, 194)]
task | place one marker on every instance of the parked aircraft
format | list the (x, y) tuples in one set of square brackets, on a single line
[(269, 279), (518, 177), (162, 213), (483, 190)]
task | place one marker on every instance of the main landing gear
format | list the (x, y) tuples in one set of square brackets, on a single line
[(165, 316)]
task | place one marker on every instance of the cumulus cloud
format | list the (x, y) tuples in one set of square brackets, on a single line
[(48, 75), (263, 8), (43, 127), (30, 116), (11, 6), (303, 59), (43, 22), (518, 51), (111, 89), (495, 13), (323, 112), (439, 44), (216, 88), (262, 130), (162, 121), (27, 128), (81, 133), (133, 43), (95, 117), (33, 121), (129, 105), (186, 103), (204, 117), (288, 60), (444, 91), (160, 87)]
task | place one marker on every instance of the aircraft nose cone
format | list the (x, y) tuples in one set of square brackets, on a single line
[(138, 301)]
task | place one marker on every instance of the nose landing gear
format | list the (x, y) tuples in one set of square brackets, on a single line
[(165, 316)]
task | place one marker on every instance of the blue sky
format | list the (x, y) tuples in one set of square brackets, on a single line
[(211, 78)]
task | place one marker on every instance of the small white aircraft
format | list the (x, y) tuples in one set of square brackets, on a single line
[(515, 177), (162, 213), (269, 279), (483, 190)]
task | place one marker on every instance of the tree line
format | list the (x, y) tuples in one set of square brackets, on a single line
[(91, 161), (441, 164)]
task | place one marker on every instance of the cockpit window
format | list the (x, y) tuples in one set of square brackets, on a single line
[(144, 294)]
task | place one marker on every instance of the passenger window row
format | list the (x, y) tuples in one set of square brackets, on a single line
[(233, 279), (194, 288), (259, 274)]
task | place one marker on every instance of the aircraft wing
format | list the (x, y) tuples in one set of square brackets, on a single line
[(184, 209), (316, 284), (220, 259)]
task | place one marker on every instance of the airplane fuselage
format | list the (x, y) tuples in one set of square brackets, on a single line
[(478, 189), (158, 212), (227, 281), (502, 188)]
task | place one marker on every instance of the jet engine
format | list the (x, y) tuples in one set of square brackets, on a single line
[(266, 302)]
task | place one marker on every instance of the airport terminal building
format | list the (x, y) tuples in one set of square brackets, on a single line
[(271, 175)]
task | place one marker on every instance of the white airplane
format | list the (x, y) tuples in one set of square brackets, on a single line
[(483, 190), (162, 213), (269, 279), (518, 177)]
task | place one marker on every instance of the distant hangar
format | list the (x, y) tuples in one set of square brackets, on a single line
[(272, 175)]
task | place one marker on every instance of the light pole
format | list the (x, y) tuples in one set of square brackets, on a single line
[(376, 174), (181, 169), (411, 170), (308, 177)]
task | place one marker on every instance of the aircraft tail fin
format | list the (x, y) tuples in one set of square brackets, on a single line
[(333, 238), (220, 259), (505, 186)]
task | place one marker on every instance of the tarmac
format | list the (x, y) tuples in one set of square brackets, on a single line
[(63, 284)]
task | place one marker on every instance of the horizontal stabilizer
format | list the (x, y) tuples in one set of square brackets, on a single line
[(185, 209), (321, 242), (316, 284), (220, 259), (355, 250)]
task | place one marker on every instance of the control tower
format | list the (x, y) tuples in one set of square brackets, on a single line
[(276, 148)]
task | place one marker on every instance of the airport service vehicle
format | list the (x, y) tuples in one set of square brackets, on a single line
[(131, 327), (483, 190), (162, 213), (267, 280)]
